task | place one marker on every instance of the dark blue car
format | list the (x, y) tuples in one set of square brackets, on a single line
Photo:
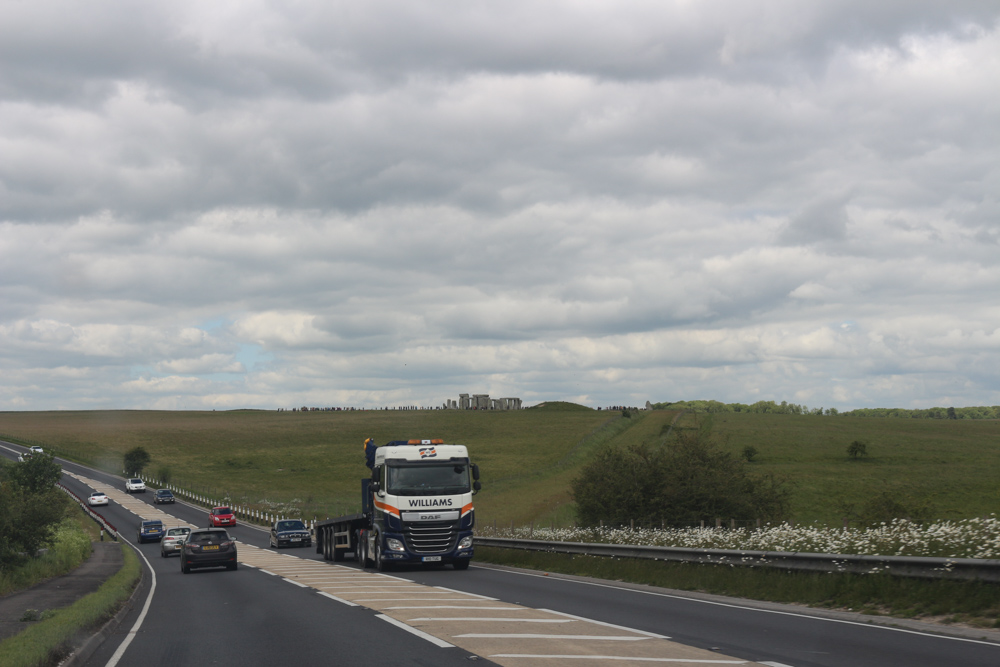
[(163, 496), (150, 530)]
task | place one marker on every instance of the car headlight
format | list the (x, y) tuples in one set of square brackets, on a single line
[(465, 542), (394, 544)]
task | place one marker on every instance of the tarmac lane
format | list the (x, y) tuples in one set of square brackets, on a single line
[(60, 592), (504, 633)]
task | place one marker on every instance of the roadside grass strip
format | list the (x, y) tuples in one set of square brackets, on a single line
[(566, 639), (49, 639)]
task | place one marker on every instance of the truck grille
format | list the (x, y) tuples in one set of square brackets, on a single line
[(429, 537)]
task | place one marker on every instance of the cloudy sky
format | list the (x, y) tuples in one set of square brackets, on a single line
[(214, 205)]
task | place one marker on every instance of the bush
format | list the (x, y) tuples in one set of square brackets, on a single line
[(31, 508), (681, 484), (857, 449), (749, 452)]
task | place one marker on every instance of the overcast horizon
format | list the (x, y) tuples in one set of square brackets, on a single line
[(270, 205)]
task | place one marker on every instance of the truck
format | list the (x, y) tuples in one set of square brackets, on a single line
[(416, 508)]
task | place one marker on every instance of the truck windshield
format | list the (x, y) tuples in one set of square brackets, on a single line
[(427, 480)]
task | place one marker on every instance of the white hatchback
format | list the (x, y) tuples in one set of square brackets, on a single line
[(134, 484)]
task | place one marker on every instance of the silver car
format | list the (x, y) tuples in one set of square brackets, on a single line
[(173, 540)]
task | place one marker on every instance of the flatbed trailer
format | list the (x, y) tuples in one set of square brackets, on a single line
[(335, 538)]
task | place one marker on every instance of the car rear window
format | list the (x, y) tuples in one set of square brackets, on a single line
[(178, 531), (207, 538)]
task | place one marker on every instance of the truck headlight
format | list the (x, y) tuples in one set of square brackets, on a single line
[(394, 544), (465, 542)]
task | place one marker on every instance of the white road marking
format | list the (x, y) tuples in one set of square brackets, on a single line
[(463, 619), (142, 615), (457, 606), (603, 638), (471, 595), (686, 661), (423, 635), (341, 600), (607, 625), (796, 614)]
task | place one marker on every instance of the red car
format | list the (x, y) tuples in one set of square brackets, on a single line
[(221, 516)]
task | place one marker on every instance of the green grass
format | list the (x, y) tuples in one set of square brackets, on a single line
[(47, 640), (955, 464), (971, 603), (70, 548), (528, 457)]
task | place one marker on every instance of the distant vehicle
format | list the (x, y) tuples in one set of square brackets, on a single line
[(150, 529), (163, 496), (97, 498), (36, 450), (221, 516), (208, 547), (135, 485), (290, 533), (173, 540)]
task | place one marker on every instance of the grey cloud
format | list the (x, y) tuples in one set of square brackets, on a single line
[(647, 200)]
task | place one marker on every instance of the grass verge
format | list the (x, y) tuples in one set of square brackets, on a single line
[(975, 604), (69, 549), (47, 640)]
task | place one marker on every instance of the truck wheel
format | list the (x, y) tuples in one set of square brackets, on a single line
[(380, 563), (361, 554)]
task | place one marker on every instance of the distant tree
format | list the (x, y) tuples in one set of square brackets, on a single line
[(136, 459), (749, 452), (951, 413), (857, 449)]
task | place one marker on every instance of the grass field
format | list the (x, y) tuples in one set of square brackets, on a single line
[(313, 460)]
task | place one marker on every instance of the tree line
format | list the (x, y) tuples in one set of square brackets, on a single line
[(786, 408)]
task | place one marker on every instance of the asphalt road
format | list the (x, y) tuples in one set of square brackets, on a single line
[(215, 616)]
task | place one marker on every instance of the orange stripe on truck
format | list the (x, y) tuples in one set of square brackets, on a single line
[(387, 508)]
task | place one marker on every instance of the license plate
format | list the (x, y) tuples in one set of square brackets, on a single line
[(296, 539), (431, 559), (210, 547)]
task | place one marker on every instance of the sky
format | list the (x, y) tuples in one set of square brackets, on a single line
[(268, 205)]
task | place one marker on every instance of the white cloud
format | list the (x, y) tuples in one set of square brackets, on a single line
[(392, 203)]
